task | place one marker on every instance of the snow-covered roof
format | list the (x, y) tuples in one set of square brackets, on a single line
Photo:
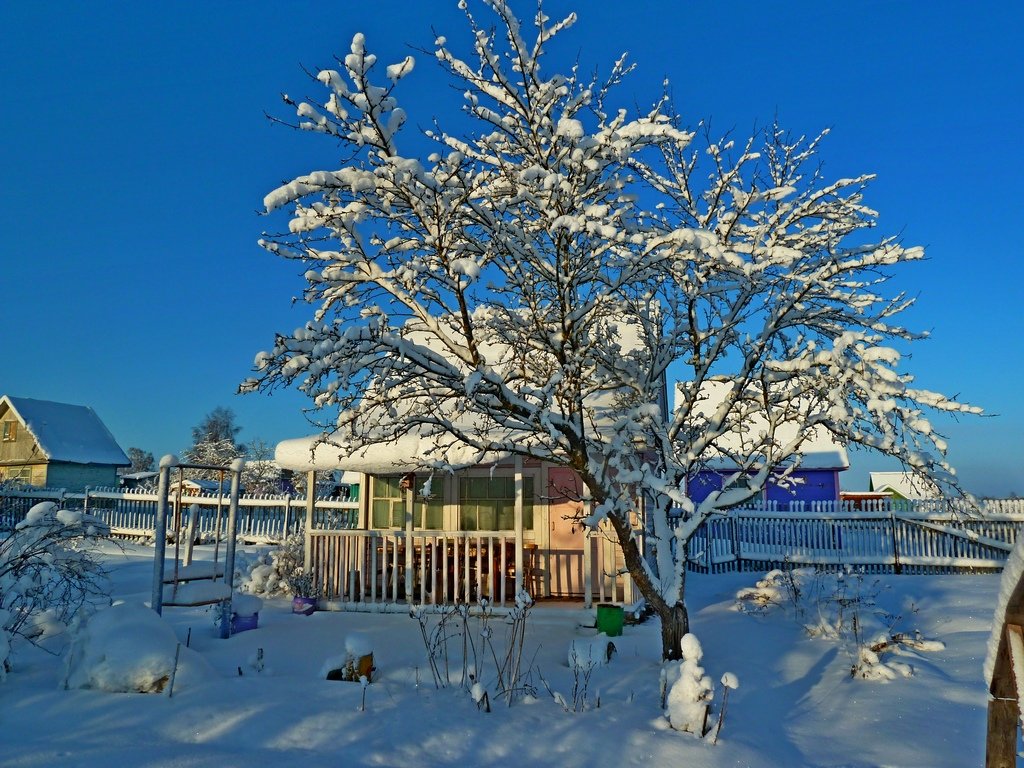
[(411, 452), (70, 433), (905, 484), (819, 451)]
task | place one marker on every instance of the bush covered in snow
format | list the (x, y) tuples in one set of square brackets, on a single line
[(48, 573), (128, 648), (279, 571), (844, 607)]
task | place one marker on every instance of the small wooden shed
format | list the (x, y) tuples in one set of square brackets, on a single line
[(58, 445)]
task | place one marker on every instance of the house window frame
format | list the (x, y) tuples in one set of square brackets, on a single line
[(478, 481), (386, 493), (10, 431)]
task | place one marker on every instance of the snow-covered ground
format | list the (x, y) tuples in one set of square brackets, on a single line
[(796, 704)]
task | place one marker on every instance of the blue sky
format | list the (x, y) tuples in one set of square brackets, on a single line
[(136, 154)]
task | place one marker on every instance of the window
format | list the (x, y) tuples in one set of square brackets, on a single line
[(387, 505), (10, 431), (489, 503), (17, 474)]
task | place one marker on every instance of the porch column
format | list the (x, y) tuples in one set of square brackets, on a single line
[(307, 549), (364, 501), (410, 496), (518, 523), (588, 560)]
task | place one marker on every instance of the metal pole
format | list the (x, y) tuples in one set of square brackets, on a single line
[(160, 532), (229, 547)]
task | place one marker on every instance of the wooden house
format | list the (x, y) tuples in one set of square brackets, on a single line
[(500, 525), (903, 486), (814, 477), (56, 445)]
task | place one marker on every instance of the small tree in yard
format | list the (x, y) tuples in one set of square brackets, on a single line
[(48, 573), (214, 443), (142, 461), (527, 286)]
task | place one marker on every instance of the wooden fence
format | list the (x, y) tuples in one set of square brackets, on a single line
[(933, 536), (267, 518), (886, 537)]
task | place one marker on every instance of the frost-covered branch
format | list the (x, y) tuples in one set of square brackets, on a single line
[(528, 284)]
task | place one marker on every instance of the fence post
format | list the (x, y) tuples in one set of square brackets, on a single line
[(895, 544), (734, 534)]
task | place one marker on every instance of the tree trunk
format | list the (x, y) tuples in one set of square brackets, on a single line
[(675, 621)]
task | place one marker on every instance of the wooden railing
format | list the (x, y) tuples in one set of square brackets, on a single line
[(432, 567)]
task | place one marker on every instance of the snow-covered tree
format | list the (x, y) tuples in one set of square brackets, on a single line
[(48, 573), (529, 283), (261, 474), (142, 461), (214, 443), (218, 426)]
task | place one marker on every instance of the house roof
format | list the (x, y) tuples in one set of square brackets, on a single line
[(68, 433), (905, 484), (411, 452)]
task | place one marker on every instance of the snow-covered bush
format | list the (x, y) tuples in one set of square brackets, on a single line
[(48, 573), (843, 607), (128, 648), (450, 637), (777, 588), (279, 571)]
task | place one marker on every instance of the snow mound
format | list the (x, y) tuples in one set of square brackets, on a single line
[(129, 648), (586, 653), (689, 690)]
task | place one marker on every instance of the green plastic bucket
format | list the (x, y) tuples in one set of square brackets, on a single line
[(610, 619)]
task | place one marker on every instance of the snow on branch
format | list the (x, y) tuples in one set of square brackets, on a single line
[(529, 283)]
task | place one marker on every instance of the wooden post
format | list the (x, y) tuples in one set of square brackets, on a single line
[(518, 523), (409, 483), (895, 545), (1001, 741), (307, 548)]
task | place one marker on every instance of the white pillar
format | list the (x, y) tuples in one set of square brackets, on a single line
[(519, 524), (307, 549), (410, 496), (588, 560)]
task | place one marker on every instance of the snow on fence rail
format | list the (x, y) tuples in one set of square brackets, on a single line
[(893, 537), (267, 518)]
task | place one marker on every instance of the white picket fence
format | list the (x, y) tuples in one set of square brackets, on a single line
[(894, 537), (262, 518), (876, 536)]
